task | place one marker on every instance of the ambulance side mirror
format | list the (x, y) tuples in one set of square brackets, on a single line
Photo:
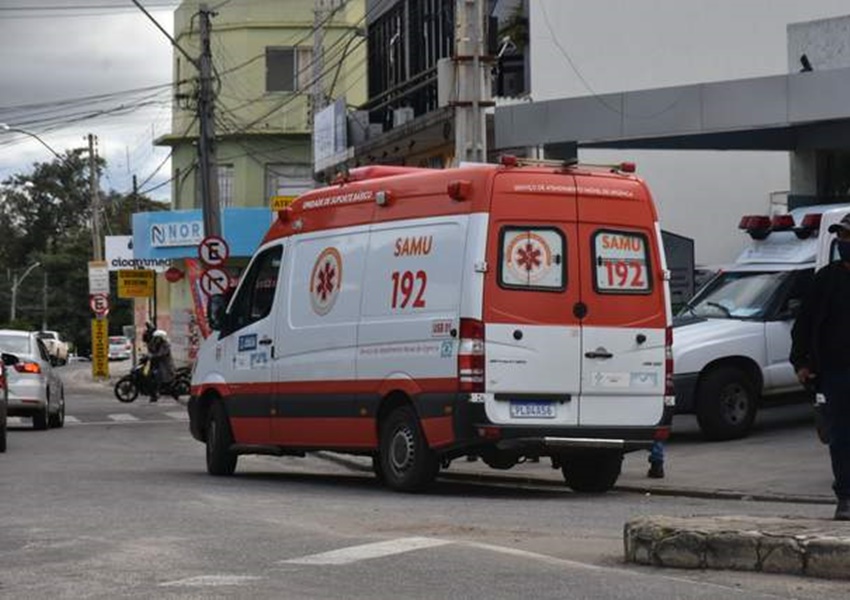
[(216, 311)]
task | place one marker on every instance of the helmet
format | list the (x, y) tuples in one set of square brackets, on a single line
[(159, 333)]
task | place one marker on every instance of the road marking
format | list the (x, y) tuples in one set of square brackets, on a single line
[(210, 581), (180, 416), (122, 417), (71, 420), (367, 551)]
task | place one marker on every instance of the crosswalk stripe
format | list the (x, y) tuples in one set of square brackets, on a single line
[(123, 417), (180, 416), (352, 554)]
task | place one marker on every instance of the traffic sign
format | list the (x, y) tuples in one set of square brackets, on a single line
[(135, 283), (99, 304), (98, 277), (99, 348), (214, 281), (213, 251)]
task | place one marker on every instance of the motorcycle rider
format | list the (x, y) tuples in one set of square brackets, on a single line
[(161, 361)]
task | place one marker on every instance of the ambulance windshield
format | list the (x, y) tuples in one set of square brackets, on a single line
[(737, 295)]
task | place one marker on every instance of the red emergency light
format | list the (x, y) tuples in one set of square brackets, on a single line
[(809, 225), (782, 223), (459, 189), (758, 226)]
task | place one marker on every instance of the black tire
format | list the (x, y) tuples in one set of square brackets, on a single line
[(180, 387), (726, 404), (41, 420), (58, 420), (2, 432), (406, 461), (221, 460), (592, 472), (126, 389)]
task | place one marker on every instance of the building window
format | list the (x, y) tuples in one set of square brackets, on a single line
[(225, 185), (281, 70), (287, 180)]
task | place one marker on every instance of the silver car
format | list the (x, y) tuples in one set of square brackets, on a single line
[(34, 388)]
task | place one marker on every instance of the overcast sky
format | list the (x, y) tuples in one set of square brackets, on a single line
[(57, 51)]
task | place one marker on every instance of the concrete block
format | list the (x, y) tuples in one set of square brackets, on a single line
[(781, 555), (829, 558), (683, 550), (732, 550)]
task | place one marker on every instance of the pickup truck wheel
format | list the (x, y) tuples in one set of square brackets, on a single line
[(592, 472), (221, 460), (406, 461), (726, 404)]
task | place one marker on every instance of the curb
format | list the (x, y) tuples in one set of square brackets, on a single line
[(768, 545)]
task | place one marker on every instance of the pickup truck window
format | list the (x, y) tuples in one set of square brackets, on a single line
[(738, 295)]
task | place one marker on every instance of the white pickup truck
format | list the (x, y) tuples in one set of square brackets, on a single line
[(57, 349), (732, 340)]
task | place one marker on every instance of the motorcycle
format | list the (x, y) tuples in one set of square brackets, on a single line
[(141, 381)]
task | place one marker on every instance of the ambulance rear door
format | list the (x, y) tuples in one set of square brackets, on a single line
[(533, 338), (624, 297)]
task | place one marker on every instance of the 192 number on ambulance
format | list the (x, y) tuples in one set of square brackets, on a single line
[(409, 289)]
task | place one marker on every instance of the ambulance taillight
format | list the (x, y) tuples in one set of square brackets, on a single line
[(669, 391), (470, 356), (809, 225)]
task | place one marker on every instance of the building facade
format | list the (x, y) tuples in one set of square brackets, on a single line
[(274, 64)]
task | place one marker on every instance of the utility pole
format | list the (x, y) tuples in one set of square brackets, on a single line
[(206, 142), (44, 302), (97, 242), (317, 93), (473, 83)]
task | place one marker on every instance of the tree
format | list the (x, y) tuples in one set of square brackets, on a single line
[(45, 216)]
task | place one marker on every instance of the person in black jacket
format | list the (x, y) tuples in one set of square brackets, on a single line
[(820, 353)]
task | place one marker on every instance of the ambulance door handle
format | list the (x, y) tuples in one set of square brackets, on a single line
[(265, 341), (640, 338), (599, 353)]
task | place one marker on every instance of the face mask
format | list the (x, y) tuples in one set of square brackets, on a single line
[(844, 250)]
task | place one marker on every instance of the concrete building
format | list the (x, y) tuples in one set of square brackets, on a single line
[(269, 80)]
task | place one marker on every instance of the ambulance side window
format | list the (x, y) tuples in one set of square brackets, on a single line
[(532, 258), (621, 262), (255, 296)]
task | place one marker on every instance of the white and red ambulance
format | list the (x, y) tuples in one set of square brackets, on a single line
[(418, 315)]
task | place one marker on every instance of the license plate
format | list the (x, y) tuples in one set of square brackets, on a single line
[(529, 409)]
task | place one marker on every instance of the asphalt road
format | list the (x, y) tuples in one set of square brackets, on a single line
[(117, 504)]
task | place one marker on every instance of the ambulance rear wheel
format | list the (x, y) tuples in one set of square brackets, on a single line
[(726, 404), (221, 460), (592, 472), (406, 462)]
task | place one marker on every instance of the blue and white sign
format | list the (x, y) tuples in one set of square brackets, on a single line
[(176, 233)]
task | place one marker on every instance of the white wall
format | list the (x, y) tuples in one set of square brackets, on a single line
[(585, 47)]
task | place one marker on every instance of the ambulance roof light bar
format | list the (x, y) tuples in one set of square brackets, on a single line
[(510, 160), (758, 226)]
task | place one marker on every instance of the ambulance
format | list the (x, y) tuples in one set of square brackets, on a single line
[(507, 312), (732, 340)]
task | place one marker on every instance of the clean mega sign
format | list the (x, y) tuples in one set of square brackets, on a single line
[(119, 255)]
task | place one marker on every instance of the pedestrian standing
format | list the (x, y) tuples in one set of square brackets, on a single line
[(820, 353)]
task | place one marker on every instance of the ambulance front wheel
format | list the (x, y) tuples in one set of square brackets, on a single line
[(405, 462), (221, 460), (726, 404), (592, 472)]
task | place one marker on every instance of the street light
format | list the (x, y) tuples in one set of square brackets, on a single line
[(15, 284), (7, 127)]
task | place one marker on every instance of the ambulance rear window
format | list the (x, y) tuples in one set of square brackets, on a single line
[(532, 258), (621, 262)]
